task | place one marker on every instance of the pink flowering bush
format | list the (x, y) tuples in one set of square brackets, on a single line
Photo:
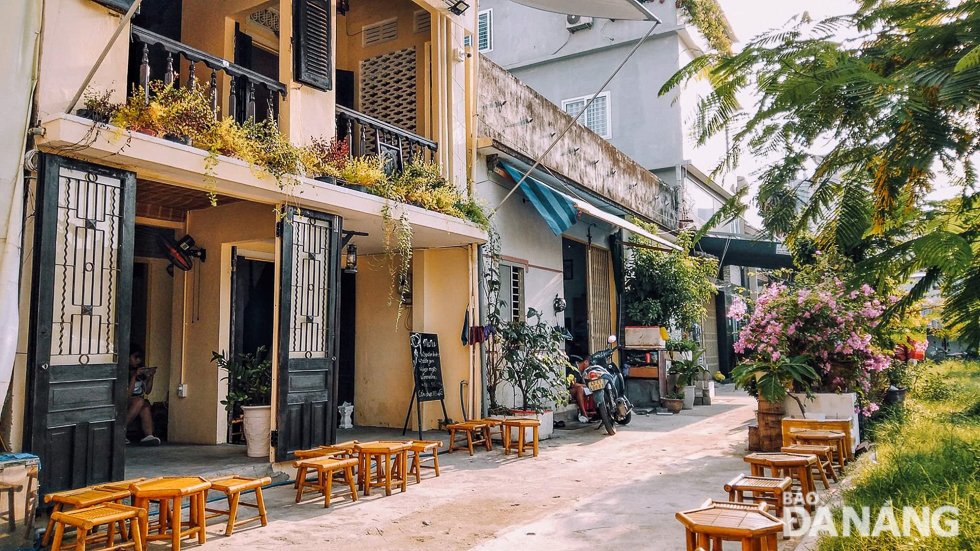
[(820, 318)]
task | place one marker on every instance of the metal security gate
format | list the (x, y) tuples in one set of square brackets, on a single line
[(309, 293), (78, 354), (600, 311)]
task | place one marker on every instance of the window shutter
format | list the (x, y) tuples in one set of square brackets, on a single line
[(119, 5), (312, 48)]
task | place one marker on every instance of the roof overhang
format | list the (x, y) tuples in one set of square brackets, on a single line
[(608, 9), (739, 250)]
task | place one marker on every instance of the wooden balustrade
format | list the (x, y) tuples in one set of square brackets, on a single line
[(368, 135), (251, 86)]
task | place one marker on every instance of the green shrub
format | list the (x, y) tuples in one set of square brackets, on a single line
[(935, 389)]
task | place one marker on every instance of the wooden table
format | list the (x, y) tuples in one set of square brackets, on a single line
[(715, 522), (795, 465), (170, 492), (390, 456), (521, 425), (834, 438)]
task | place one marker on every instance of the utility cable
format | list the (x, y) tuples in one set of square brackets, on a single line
[(574, 121)]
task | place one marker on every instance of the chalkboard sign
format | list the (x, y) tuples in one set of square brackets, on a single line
[(427, 366)]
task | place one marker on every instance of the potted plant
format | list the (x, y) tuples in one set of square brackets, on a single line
[(184, 112), (534, 364), (137, 115), (98, 107), (674, 401), (687, 372), (250, 390), (771, 379), (900, 378), (325, 159)]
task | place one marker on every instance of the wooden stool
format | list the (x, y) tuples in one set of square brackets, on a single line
[(87, 520), (170, 492), (715, 522), (392, 461), (11, 491), (494, 427), (418, 448), (521, 425), (233, 486), (325, 469), (481, 430), (823, 438), (81, 498), (763, 490), (825, 459), (794, 465)]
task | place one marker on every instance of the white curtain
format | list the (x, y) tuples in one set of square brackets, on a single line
[(20, 29)]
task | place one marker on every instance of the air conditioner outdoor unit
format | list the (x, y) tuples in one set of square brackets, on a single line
[(577, 23)]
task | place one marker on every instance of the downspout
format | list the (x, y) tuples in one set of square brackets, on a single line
[(482, 305)]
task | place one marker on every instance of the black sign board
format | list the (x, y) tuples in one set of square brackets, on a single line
[(427, 367)]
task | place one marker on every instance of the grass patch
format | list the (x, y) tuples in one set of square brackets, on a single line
[(928, 456)]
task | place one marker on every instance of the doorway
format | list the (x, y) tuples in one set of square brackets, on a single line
[(348, 321), (576, 296)]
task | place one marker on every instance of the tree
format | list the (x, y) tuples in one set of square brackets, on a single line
[(534, 361), (898, 104)]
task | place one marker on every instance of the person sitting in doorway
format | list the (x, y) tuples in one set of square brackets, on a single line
[(140, 385), (576, 385)]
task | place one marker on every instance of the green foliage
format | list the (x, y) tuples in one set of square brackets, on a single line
[(935, 388), (682, 345), (901, 374), (99, 105), (669, 289), (773, 378), (326, 157), (688, 370), (534, 361), (898, 102), (709, 19), (249, 379)]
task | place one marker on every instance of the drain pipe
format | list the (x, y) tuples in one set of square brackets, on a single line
[(462, 404), (482, 316)]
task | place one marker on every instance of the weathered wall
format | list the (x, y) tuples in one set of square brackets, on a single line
[(512, 113), (200, 418)]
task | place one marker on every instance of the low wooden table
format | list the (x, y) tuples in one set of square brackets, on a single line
[(833, 438), (392, 461), (794, 465), (170, 493), (763, 489), (87, 520), (521, 425), (81, 498), (233, 486), (715, 522)]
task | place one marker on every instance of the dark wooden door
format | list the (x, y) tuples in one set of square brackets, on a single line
[(78, 357), (309, 292)]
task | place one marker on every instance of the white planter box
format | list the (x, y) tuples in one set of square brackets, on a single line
[(643, 336), (828, 406), (546, 429)]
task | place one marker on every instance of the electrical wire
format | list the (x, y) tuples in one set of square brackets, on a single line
[(575, 120)]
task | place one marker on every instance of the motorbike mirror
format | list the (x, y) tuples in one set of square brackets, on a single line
[(612, 339)]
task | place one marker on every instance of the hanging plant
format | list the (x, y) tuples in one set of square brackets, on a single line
[(708, 17)]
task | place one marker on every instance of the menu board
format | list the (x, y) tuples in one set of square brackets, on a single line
[(427, 366)]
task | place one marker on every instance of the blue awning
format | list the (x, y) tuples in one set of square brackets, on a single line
[(557, 209)]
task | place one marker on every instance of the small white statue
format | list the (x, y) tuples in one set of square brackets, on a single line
[(346, 412)]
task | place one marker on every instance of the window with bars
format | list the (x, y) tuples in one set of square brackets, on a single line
[(512, 292), (484, 39), (596, 118)]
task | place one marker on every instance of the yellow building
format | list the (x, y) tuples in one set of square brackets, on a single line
[(392, 77)]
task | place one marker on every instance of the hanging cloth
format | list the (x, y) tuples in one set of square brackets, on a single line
[(465, 335)]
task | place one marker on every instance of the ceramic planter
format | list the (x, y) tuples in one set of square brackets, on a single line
[(689, 397), (895, 396), (326, 179), (673, 405), (257, 427)]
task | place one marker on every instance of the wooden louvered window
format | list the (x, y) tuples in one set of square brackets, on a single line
[(599, 294), (312, 51)]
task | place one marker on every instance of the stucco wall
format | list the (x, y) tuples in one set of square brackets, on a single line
[(159, 316), (200, 418), (513, 114)]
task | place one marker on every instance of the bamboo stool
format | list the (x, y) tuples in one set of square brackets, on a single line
[(794, 465), (325, 468), (11, 491), (81, 498), (418, 448), (494, 427), (824, 438), (763, 489), (714, 522), (521, 425), (825, 459), (343, 450), (392, 462), (170, 492), (481, 430), (233, 486), (87, 520)]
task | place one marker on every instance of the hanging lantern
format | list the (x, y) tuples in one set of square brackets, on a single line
[(351, 267)]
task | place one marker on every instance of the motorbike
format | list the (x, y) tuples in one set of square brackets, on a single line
[(606, 387)]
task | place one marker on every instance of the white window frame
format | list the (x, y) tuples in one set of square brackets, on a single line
[(608, 97), (489, 13), (507, 286)]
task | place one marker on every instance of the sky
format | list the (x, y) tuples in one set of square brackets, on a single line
[(750, 18)]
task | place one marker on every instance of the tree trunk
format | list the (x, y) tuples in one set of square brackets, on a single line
[(770, 418)]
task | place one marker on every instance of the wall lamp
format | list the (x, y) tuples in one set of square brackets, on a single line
[(350, 266)]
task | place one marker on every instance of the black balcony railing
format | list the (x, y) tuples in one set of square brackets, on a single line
[(368, 135), (250, 96)]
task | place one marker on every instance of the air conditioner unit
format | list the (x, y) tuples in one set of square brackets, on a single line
[(577, 23)]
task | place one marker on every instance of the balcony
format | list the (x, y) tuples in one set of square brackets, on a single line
[(370, 136), (249, 94)]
